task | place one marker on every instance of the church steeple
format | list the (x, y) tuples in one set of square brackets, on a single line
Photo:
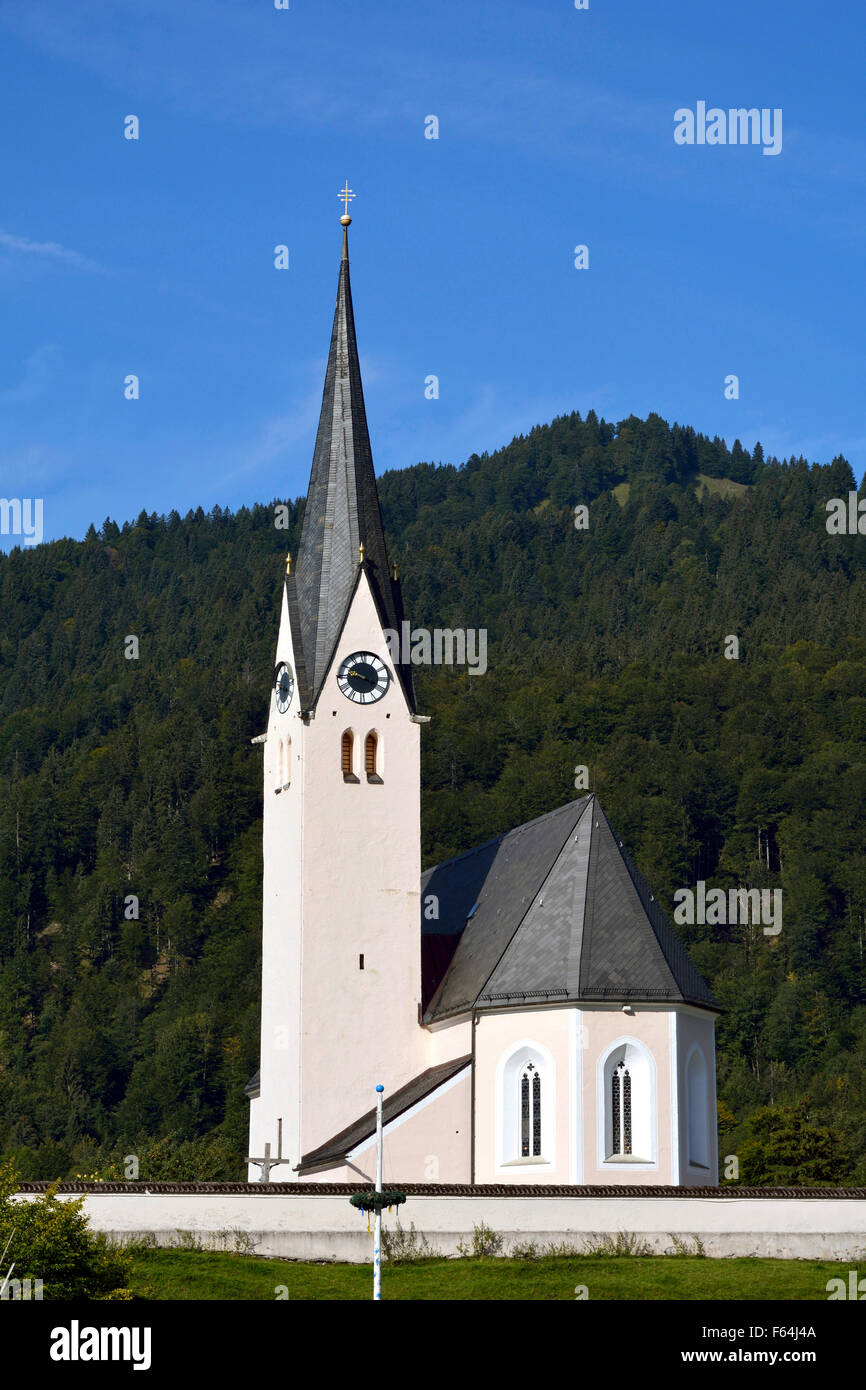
[(342, 532)]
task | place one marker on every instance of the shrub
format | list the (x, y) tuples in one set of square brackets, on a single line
[(616, 1243), (51, 1240), (692, 1246), (405, 1247), (484, 1242)]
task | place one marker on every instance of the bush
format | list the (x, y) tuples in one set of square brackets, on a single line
[(691, 1247), (405, 1247), (618, 1243), (484, 1242), (51, 1240)]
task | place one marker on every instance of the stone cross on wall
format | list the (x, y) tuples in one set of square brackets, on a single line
[(267, 1163)]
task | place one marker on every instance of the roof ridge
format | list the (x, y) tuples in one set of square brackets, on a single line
[(515, 830), (533, 896)]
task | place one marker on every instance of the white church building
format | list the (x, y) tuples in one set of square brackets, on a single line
[(529, 1009)]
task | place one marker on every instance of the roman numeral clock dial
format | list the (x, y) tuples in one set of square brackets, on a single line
[(363, 678), (284, 685)]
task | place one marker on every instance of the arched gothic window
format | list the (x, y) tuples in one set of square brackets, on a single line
[(526, 1118), (530, 1112), (621, 1108), (627, 1095)]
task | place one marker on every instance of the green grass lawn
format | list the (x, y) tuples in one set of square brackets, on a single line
[(183, 1274)]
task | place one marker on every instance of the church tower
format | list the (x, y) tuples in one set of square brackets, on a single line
[(341, 964)]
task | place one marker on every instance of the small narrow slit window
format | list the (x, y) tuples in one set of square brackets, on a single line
[(371, 757), (278, 767), (347, 756)]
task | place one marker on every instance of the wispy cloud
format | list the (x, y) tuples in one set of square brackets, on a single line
[(284, 440), (37, 371), (52, 250)]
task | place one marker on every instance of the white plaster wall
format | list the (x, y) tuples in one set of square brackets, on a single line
[(697, 1027), (328, 1227), (361, 894), (496, 1036), (279, 1096), (605, 1027), (430, 1143), (448, 1041), (576, 1042)]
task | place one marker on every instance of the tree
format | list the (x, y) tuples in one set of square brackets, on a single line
[(784, 1148)]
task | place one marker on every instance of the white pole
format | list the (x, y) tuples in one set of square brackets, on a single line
[(377, 1238), (11, 1267)]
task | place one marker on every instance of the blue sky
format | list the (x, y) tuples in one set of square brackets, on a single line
[(155, 256)]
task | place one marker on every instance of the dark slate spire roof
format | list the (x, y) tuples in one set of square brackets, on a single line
[(557, 911), (342, 510)]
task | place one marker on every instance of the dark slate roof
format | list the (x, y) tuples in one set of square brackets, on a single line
[(336, 1149), (342, 510), (305, 691), (253, 1086), (561, 914)]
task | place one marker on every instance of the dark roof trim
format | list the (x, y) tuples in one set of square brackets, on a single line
[(341, 1189)]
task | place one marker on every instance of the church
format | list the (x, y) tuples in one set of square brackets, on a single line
[(527, 1006)]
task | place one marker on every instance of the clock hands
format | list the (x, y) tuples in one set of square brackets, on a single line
[(363, 678)]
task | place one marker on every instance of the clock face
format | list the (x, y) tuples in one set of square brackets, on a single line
[(284, 685), (363, 678)]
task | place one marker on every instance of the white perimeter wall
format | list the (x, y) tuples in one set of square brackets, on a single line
[(327, 1227)]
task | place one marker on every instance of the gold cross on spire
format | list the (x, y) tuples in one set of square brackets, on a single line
[(346, 194)]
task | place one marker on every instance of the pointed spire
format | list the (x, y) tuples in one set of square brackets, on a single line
[(342, 529)]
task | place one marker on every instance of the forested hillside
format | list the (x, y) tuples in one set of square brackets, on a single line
[(126, 778)]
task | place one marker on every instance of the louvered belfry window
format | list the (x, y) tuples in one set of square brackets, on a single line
[(530, 1112), (371, 749), (347, 752), (621, 1109)]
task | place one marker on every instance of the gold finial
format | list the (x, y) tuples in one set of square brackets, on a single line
[(345, 193), (394, 571), (361, 553), (289, 563)]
